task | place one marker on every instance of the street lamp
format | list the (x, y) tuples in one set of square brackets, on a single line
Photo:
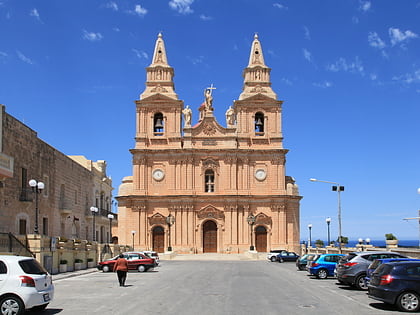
[(170, 220), (338, 188), (251, 221), (110, 217), (94, 210), (133, 233), (310, 234), (328, 220), (37, 188)]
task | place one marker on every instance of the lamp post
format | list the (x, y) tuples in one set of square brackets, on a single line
[(251, 222), (338, 188), (133, 233), (37, 188), (110, 217), (310, 234), (170, 220), (94, 210), (328, 220)]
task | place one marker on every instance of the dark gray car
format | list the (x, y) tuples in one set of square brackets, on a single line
[(352, 268)]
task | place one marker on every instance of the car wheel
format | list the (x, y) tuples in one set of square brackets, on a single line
[(281, 260), (141, 268), (408, 302), (322, 274), (11, 305), (301, 267), (106, 268), (361, 283), (273, 258)]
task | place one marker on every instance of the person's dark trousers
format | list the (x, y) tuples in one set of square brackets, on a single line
[(122, 275)]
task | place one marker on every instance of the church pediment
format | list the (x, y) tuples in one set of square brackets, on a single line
[(156, 94), (211, 212), (262, 218), (157, 219), (209, 127), (259, 97)]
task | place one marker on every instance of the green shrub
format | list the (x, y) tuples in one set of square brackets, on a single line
[(63, 262), (390, 236)]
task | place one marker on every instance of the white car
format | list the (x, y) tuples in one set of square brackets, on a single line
[(272, 255), (24, 284)]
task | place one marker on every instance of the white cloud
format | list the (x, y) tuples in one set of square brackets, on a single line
[(90, 36), (3, 56), (398, 36), (34, 12), (307, 34), (373, 76), (182, 6), (116, 29), (324, 85), (24, 58), (196, 60), (139, 10), (307, 55), (343, 65), (408, 77), (112, 5), (140, 54), (280, 6), (365, 6), (375, 41), (205, 17), (286, 81)]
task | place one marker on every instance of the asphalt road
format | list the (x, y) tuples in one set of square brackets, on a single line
[(211, 287)]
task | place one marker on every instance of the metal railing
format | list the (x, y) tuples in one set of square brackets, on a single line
[(10, 244)]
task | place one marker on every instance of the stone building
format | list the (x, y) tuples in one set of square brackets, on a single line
[(70, 187), (204, 187)]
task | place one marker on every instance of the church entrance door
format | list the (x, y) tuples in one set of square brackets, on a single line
[(159, 239), (210, 237), (261, 239)]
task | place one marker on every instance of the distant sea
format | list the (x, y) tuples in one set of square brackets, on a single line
[(381, 243)]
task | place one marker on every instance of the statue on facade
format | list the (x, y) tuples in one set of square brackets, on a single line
[(230, 117), (187, 116), (209, 98)]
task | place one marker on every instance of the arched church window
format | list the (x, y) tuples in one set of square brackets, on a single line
[(209, 181), (158, 127), (259, 124)]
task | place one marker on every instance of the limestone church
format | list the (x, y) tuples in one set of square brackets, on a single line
[(206, 188)]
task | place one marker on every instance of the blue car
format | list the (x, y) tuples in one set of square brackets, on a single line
[(377, 262), (323, 266)]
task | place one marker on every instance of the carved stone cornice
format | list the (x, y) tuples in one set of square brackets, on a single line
[(263, 219), (210, 213), (157, 219)]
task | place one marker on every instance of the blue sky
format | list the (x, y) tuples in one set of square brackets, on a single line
[(348, 72)]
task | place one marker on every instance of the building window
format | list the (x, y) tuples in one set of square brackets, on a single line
[(158, 127), (22, 226), (45, 226), (24, 190), (259, 124), (209, 181)]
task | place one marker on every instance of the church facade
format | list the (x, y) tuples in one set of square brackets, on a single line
[(207, 188)]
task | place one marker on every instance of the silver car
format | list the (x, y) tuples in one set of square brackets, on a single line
[(352, 268)]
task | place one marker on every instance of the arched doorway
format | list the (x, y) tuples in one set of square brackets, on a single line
[(261, 239), (158, 239), (209, 237)]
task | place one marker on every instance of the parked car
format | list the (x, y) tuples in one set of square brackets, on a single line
[(272, 255), (24, 284), (323, 265), (152, 254), (287, 256), (136, 261), (352, 268), (377, 262), (397, 283), (302, 261)]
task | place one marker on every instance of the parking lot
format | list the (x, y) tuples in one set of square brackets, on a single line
[(211, 287)]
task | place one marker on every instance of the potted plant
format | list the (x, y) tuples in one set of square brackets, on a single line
[(319, 243), (63, 265), (78, 264), (344, 240), (90, 263), (391, 240)]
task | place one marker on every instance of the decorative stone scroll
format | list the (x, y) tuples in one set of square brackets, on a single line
[(157, 219), (263, 219), (211, 213)]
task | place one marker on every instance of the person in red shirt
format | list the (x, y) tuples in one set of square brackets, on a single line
[(121, 267)]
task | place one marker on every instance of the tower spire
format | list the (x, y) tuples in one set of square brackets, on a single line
[(159, 74), (256, 74)]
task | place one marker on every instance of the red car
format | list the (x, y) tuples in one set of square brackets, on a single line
[(136, 261)]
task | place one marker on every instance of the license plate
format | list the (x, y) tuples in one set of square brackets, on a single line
[(46, 297)]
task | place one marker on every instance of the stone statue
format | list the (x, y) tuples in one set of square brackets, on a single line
[(230, 116), (187, 116), (209, 98)]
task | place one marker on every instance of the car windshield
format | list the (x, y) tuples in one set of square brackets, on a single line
[(31, 266), (383, 269), (348, 257)]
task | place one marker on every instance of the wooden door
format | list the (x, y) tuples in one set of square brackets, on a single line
[(261, 239), (159, 239), (210, 237)]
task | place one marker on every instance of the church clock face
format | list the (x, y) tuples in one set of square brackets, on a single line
[(158, 174), (260, 174)]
